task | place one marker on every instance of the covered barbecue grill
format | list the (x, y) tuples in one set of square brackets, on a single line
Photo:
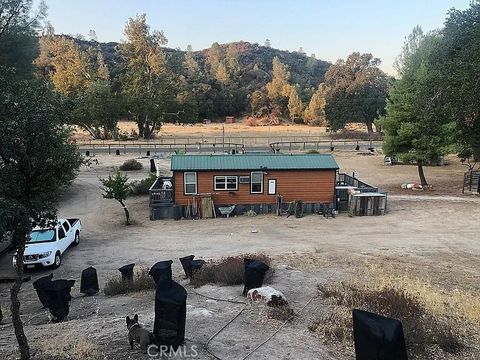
[(89, 282), (40, 285), (377, 337), (58, 298), (255, 271), (190, 265), (162, 270), (127, 272), (170, 313)]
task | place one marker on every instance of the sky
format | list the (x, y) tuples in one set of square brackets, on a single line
[(331, 29)]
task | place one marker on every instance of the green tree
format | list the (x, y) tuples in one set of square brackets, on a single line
[(63, 63), (117, 187), (35, 158), (416, 126), (460, 71), (279, 87), (36, 162), (148, 84), (82, 76), (18, 42), (259, 103), (316, 107), (357, 91), (97, 110), (295, 106)]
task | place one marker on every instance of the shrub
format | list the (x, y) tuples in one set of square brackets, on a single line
[(228, 271), (316, 122), (131, 164), (280, 313), (355, 135), (250, 213), (115, 285), (69, 345), (418, 309), (312, 151), (141, 187), (251, 121)]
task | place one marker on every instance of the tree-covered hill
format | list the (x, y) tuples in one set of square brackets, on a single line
[(255, 62), (142, 79)]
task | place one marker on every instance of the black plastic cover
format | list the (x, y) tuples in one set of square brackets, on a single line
[(39, 285), (89, 281), (255, 271), (162, 270), (378, 337), (58, 298), (170, 313), (127, 272)]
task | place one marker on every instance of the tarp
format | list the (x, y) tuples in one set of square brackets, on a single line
[(127, 272), (89, 281), (190, 266), (58, 298), (162, 270), (170, 313), (39, 285), (378, 337), (255, 271)]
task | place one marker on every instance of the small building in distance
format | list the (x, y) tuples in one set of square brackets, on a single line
[(247, 182), (229, 120)]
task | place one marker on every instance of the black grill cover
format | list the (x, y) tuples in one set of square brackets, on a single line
[(190, 266), (378, 337), (162, 270), (89, 282), (39, 285), (58, 298), (127, 272), (255, 271), (153, 168), (170, 313)]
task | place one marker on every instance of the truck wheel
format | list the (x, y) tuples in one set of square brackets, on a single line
[(76, 241), (58, 260)]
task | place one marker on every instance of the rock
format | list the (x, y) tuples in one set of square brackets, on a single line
[(267, 294)]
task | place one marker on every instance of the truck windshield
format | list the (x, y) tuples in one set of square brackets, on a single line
[(42, 236)]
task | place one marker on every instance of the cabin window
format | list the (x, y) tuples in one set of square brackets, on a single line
[(190, 183), (256, 182), (226, 182)]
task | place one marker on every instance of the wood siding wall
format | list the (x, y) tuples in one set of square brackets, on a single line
[(310, 186)]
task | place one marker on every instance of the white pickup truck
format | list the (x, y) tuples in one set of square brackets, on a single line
[(46, 246)]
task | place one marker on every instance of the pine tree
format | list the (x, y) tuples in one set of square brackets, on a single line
[(416, 128), (316, 107), (295, 106)]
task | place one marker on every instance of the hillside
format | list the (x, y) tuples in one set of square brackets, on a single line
[(252, 71)]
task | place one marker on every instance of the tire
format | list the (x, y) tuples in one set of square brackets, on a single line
[(76, 241), (57, 261)]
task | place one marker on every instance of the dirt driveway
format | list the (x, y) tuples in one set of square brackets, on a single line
[(435, 238)]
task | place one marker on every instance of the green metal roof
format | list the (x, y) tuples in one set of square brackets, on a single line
[(253, 162)]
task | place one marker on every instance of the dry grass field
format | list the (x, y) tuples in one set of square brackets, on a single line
[(216, 129), (425, 249)]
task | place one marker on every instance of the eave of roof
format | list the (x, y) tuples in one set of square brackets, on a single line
[(253, 162)]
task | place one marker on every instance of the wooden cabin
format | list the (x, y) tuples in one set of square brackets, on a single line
[(248, 181)]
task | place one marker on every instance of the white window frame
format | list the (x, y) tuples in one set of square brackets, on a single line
[(251, 182), (185, 183), (225, 177)]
